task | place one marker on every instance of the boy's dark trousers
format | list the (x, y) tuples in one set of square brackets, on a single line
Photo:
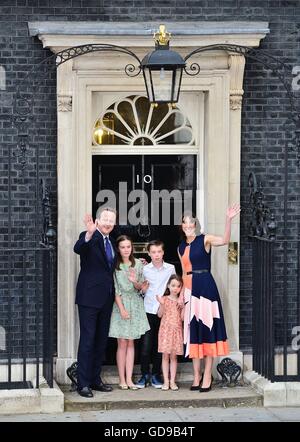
[(149, 345)]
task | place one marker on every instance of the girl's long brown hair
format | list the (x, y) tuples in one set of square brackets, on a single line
[(178, 278), (119, 257)]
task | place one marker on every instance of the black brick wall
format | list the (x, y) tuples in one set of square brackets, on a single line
[(264, 110)]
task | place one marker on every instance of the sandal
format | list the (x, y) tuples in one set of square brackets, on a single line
[(165, 387), (174, 387), (133, 387), (123, 386)]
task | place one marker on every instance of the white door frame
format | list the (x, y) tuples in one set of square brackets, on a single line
[(75, 186)]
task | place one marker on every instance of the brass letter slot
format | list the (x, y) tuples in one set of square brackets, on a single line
[(233, 253), (140, 248)]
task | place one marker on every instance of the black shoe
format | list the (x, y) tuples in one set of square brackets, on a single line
[(85, 392), (102, 387), (204, 390), (196, 387)]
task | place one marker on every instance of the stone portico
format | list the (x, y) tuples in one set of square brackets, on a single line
[(212, 100)]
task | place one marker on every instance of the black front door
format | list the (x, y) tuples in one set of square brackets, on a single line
[(151, 174), (148, 174)]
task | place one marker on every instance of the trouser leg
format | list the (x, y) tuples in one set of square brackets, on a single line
[(155, 356), (146, 347), (88, 326), (103, 322)]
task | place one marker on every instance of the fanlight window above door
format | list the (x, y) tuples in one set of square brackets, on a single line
[(134, 121)]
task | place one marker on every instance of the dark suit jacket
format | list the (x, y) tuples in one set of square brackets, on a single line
[(95, 280)]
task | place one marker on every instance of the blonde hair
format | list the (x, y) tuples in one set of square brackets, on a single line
[(194, 219)]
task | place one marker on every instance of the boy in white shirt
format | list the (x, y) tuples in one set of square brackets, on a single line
[(157, 273)]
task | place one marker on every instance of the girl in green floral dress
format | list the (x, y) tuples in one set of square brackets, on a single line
[(128, 320)]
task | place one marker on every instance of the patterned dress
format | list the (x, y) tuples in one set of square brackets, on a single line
[(170, 339), (204, 327), (137, 324)]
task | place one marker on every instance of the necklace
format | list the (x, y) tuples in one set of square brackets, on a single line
[(190, 242)]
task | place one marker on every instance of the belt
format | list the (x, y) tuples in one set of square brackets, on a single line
[(198, 271)]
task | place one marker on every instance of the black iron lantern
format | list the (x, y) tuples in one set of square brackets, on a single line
[(162, 70)]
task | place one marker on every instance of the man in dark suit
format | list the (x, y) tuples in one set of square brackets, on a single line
[(95, 298)]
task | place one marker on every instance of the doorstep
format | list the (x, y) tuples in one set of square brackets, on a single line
[(219, 396)]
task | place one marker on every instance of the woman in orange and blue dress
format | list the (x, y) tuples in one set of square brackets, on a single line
[(204, 327)]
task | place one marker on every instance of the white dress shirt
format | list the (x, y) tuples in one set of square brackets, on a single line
[(158, 279)]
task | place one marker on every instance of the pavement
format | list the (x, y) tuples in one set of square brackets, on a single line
[(222, 404), (160, 415)]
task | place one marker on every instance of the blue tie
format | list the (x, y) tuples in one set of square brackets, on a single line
[(108, 251)]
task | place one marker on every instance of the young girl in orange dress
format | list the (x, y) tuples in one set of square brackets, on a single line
[(170, 336)]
